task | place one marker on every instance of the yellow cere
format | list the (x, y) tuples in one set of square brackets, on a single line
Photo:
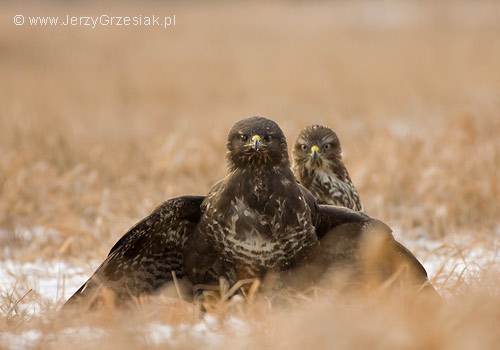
[(256, 137)]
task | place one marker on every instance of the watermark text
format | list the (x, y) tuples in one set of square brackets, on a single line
[(92, 22)]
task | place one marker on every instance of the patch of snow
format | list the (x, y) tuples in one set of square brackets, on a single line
[(25, 340), (85, 332), (453, 258), (157, 333), (207, 330), (51, 280)]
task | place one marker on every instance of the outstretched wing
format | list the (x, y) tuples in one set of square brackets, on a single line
[(144, 259), (353, 240)]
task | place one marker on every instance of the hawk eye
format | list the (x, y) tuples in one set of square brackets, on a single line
[(243, 137), (267, 138), (303, 147), (327, 146)]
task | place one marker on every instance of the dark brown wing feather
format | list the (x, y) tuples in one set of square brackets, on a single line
[(365, 245), (143, 260), (328, 217)]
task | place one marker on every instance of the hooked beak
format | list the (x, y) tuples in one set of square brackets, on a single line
[(315, 153), (256, 142)]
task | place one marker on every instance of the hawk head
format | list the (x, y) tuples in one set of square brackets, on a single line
[(317, 147), (256, 142)]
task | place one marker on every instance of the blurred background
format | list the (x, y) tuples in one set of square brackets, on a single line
[(98, 126)]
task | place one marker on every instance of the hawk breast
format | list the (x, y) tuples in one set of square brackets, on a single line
[(257, 225)]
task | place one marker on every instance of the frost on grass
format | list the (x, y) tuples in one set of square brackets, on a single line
[(49, 280), (25, 340), (452, 260), (455, 258)]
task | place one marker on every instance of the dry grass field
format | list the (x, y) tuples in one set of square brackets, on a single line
[(98, 126)]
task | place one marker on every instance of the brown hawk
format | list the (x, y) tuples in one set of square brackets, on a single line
[(318, 166), (256, 219)]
